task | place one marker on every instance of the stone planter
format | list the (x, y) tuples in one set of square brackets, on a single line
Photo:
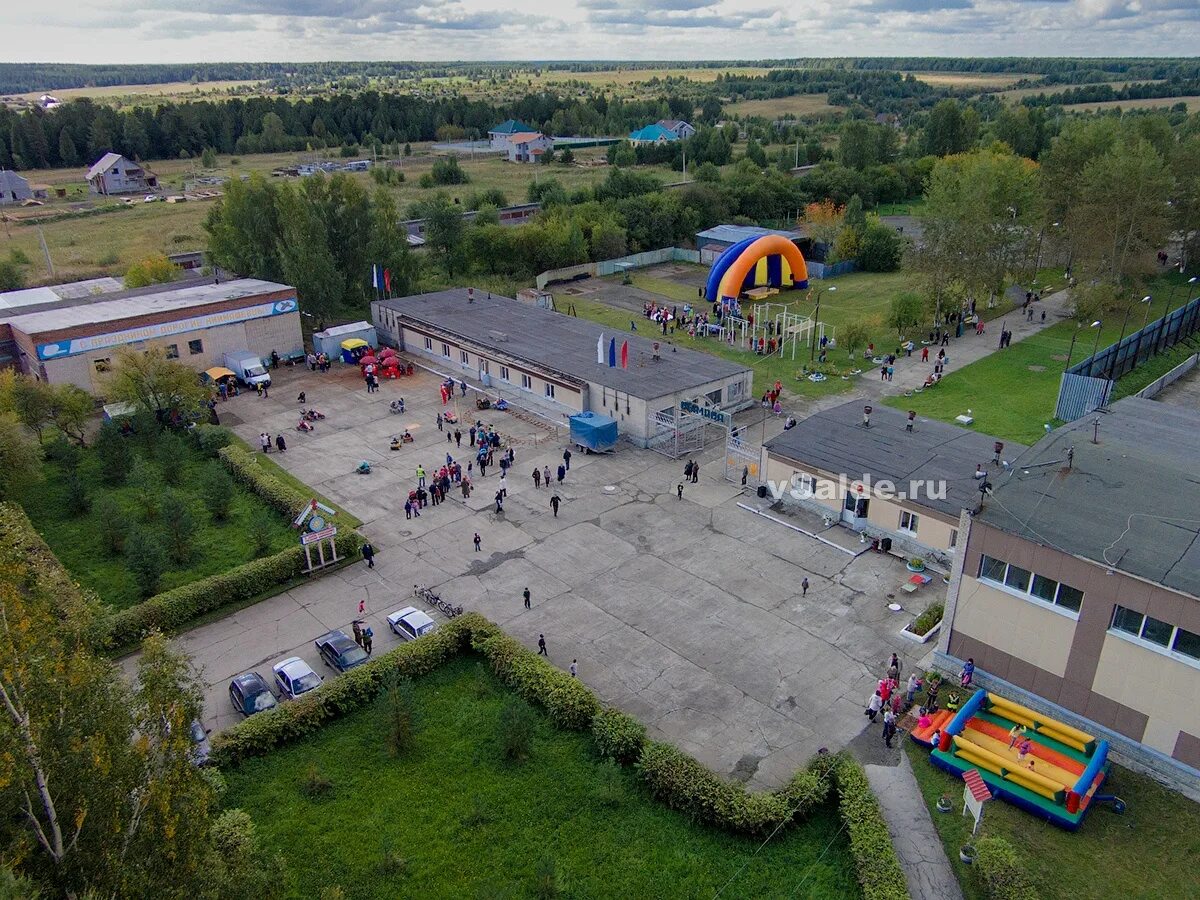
[(919, 567), (921, 638), (944, 805), (967, 853)]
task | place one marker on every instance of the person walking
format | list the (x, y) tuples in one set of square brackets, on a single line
[(567, 459), (687, 471), (457, 437), (574, 668), (362, 607), (889, 727), (525, 594), (894, 667), (695, 472), (542, 645), (408, 509), (368, 553), (910, 689), (499, 502), (554, 501), (537, 477), (504, 486), (280, 444), (368, 638), (471, 435), (420, 476), (265, 440), (546, 475), (804, 586), (562, 473), (874, 705), (439, 421), (356, 628), (924, 354), (679, 490), (477, 541)]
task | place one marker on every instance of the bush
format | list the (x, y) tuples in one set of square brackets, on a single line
[(145, 559), (178, 526), (233, 834), (114, 453), (569, 703), (399, 703), (111, 523), (618, 736), (514, 730), (447, 171), (1001, 870), (545, 879), (316, 784), (244, 468), (927, 619), (63, 452), (170, 454), (875, 859), (77, 499), (175, 608), (216, 487)]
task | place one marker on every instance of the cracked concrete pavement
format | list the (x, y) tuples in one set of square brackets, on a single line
[(687, 613)]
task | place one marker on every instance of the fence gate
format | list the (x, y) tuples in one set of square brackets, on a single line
[(1079, 395), (676, 433), (742, 457)]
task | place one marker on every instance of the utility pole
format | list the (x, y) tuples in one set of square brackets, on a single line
[(46, 250)]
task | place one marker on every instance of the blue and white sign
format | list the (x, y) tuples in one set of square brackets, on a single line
[(707, 412), (59, 349)]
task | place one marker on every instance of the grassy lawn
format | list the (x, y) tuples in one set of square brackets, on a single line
[(1144, 853), (1012, 394), (216, 547), (776, 107), (469, 824)]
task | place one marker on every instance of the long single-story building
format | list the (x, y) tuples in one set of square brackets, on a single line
[(1078, 587), (72, 337), (558, 365), (883, 480)]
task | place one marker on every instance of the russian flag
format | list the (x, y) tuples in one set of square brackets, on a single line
[(624, 354), (612, 353), (387, 280)]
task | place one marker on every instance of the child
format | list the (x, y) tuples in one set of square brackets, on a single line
[(1015, 734), (1023, 750), (968, 672), (925, 721), (952, 701)]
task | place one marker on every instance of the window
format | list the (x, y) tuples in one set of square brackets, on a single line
[(526, 381), (464, 357), (429, 344), (909, 522), (805, 483), (953, 538), (446, 350), (172, 351), (1156, 633), (103, 365), (1026, 584), (195, 347), (550, 390), (714, 397), (735, 390), (504, 373)]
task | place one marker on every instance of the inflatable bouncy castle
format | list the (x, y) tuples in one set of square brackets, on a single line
[(767, 261)]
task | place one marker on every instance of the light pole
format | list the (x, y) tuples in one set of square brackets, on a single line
[(812, 344), (1071, 349), (1095, 345), (1037, 263), (1112, 369)]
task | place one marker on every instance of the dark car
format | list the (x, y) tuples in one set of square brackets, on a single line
[(249, 694), (339, 650)]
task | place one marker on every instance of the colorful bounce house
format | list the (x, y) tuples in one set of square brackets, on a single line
[(1058, 777), (767, 261)]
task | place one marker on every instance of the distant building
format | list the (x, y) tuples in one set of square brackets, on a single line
[(114, 174), (652, 134), (47, 102), (682, 130), (887, 119), (357, 165), (13, 188), (528, 147), (719, 237), (499, 135)]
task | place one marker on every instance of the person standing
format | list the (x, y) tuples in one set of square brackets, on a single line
[(504, 486), (368, 637), (968, 672), (679, 490), (499, 502), (554, 501), (574, 668), (280, 444), (687, 471), (546, 475), (889, 727), (537, 478), (874, 705), (562, 473), (567, 459), (910, 689), (408, 510), (804, 586), (542, 645), (457, 437), (471, 435), (695, 472), (420, 476), (265, 440), (525, 594), (477, 541), (368, 553), (439, 421), (356, 628)]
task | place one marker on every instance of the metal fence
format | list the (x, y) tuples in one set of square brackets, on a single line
[(821, 270), (623, 264), (1118, 359), (1079, 395)]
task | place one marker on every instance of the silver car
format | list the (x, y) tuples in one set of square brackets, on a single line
[(411, 623), (294, 677)]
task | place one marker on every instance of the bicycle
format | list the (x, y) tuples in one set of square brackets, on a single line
[(449, 610)]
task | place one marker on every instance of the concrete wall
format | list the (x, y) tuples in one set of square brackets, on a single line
[(1037, 635)]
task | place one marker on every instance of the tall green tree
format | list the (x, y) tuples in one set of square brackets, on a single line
[(950, 129), (444, 231), (389, 243), (244, 229), (150, 381), (67, 154), (20, 456), (307, 259)]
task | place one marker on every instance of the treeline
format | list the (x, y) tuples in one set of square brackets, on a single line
[(1101, 93), (881, 91)]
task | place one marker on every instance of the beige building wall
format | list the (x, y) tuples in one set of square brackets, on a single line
[(931, 530), (1156, 684), (1039, 636)]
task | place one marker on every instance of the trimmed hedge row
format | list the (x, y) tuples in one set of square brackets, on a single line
[(618, 736), (22, 541), (282, 497), (175, 608), (1001, 870), (349, 691), (875, 858)]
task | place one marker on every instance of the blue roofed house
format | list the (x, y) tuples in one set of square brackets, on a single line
[(652, 134), (682, 129), (500, 135)]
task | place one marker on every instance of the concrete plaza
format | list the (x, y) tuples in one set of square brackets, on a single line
[(687, 613)]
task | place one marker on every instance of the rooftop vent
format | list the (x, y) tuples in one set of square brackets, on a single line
[(499, 336)]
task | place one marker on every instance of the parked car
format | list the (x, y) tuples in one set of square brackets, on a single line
[(150, 198), (294, 677), (200, 748), (339, 650), (250, 694), (410, 623)]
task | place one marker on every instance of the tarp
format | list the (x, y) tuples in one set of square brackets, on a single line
[(217, 372), (594, 431), (354, 343)]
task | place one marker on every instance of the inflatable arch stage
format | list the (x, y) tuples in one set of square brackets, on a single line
[(770, 260)]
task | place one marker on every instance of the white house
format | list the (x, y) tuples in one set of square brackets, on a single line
[(682, 129), (13, 188), (114, 174), (528, 147), (499, 136)]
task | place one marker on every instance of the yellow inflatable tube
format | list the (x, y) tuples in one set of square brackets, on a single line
[(998, 765), (1056, 730)]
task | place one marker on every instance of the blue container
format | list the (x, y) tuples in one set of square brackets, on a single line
[(594, 431)]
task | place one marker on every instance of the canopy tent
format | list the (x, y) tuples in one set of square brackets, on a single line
[(216, 373), (354, 343)]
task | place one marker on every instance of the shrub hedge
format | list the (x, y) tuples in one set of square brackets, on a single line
[(21, 540), (617, 735), (281, 497), (875, 858), (1001, 870), (174, 608)]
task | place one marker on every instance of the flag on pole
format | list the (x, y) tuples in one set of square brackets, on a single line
[(376, 280), (387, 281), (612, 353), (624, 354), (600, 350)]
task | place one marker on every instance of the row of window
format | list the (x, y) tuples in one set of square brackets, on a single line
[(1156, 632), (484, 365), (195, 348), (1030, 585)]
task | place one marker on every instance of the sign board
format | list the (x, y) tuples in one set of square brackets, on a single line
[(313, 536), (73, 346), (975, 794), (713, 415)]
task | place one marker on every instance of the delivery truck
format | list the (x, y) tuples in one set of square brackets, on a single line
[(248, 367)]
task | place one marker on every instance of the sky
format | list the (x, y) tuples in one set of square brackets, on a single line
[(161, 31)]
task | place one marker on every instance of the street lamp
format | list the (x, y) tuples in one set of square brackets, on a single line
[(1071, 349), (1148, 301), (1037, 264), (812, 344), (1095, 345)]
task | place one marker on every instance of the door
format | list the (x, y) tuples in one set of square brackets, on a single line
[(854, 510)]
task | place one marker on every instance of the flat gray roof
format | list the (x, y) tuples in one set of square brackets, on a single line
[(732, 234), (563, 344), (12, 302), (142, 302), (835, 441), (1130, 502)]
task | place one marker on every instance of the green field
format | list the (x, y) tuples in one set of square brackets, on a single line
[(456, 820), (74, 538), (1012, 393), (1136, 855)]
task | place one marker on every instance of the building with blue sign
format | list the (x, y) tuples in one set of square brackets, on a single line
[(67, 337)]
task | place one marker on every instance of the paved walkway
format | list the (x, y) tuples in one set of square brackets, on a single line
[(926, 868)]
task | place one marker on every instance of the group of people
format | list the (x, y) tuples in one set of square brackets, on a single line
[(889, 701), (317, 362), (264, 440)]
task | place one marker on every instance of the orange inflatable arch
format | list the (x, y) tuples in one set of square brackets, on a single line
[(767, 245)]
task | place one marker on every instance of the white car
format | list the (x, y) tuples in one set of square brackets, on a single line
[(410, 623), (150, 198), (294, 677)]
